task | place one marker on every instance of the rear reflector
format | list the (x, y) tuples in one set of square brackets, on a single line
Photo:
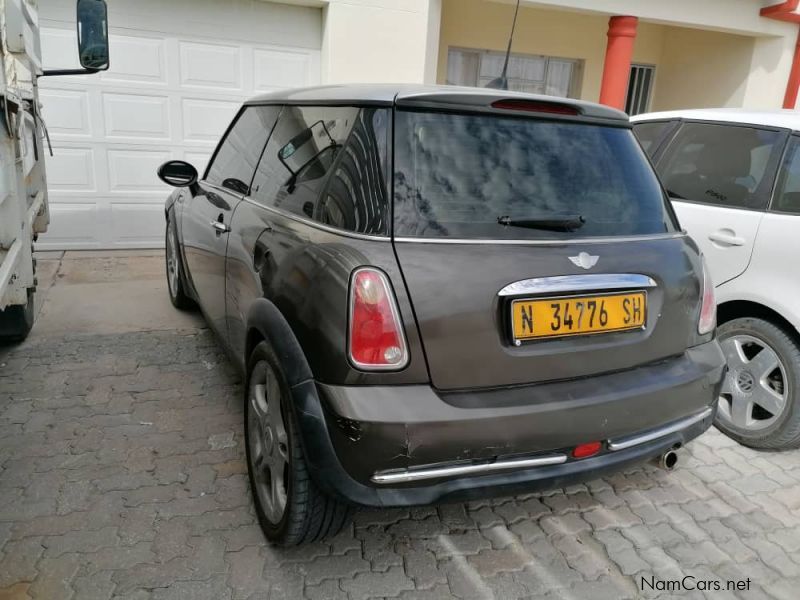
[(536, 106), (586, 450), (375, 338)]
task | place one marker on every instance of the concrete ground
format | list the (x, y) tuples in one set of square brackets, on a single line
[(105, 292), (122, 475)]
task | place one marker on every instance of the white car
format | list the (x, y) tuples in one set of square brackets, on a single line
[(734, 180)]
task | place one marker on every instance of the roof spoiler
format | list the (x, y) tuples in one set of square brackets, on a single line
[(494, 101)]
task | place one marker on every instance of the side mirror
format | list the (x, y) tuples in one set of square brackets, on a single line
[(178, 173), (93, 34)]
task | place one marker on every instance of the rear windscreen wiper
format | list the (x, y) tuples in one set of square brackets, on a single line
[(564, 223)]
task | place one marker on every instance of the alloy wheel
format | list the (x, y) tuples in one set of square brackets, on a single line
[(755, 390), (269, 453)]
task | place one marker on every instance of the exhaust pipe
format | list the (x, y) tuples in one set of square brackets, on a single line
[(667, 461)]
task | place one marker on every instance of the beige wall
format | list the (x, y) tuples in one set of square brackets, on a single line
[(379, 41), (694, 67), (485, 25), (700, 69), (769, 70)]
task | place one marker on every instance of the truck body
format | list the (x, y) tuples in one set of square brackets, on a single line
[(23, 182), (24, 212)]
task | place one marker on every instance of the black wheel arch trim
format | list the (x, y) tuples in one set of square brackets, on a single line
[(266, 320), (183, 272)]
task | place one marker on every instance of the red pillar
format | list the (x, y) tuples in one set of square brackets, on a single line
[(786, 11), (790, 99), (617, 67)]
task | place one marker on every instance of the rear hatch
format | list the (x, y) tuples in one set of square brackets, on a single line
[(537, 249)]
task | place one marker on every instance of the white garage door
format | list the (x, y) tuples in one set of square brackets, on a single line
[(179, 71)]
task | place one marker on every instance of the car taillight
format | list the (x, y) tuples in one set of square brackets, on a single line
[(375, 340), (708, 310)]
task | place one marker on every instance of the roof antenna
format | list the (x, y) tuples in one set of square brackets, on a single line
[(501, 83)]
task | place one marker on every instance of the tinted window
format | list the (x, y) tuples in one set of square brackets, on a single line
[(456, 175), (307, 145), (238, 154), (720, 164), (355, 198), (787, 193), (650, 133)]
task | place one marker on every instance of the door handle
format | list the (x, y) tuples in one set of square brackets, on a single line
[(726, 239), (220, 227)]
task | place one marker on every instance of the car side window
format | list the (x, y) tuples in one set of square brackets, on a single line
[(651, 133), (356, 197), (787, 192), (328, 164), (724, 165), (236, 158)]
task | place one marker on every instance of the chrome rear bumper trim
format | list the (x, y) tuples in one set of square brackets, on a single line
[(578, 283), (635, 440), (422, 474), (409, 475)]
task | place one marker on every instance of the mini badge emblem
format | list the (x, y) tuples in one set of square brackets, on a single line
[(584, 260)]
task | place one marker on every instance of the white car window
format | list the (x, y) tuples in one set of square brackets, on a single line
[(650, 133), (759, 157), (720, 164), (787, 192)]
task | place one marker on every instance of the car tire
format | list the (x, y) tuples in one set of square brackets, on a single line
[(291, 509), (174, 268), (16, 322), (759, 403)]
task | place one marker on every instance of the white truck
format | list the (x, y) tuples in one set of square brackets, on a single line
[(24, 210)]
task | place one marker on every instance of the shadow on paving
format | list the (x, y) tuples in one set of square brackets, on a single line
[(123, 475)]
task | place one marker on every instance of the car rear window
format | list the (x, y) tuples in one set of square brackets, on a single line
[(457, 174)]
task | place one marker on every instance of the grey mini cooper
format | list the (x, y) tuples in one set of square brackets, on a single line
[(439, 294)]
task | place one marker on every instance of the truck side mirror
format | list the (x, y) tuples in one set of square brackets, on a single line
[(93, 34), (92, 39)]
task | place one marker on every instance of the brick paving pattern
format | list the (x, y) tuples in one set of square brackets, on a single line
[(122, 475)]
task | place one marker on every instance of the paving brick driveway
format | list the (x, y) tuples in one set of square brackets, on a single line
[(122, 475)]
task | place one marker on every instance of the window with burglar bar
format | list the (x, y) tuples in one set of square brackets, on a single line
[(526, 72), (640, 87)]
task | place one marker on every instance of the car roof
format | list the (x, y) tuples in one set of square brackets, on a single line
[(423, 95), (788, 119)]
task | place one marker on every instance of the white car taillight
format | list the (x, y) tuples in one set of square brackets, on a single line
[(708, 310), (376, 341)]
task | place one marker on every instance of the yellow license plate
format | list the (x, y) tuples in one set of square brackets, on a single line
[(577, 315)]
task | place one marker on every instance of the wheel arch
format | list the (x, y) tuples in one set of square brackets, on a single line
[(170, 214), (265, 322), (737, 309)]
